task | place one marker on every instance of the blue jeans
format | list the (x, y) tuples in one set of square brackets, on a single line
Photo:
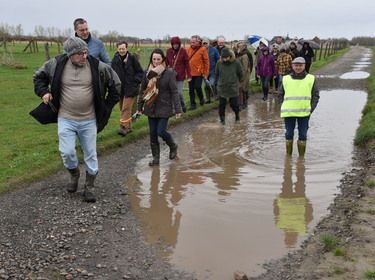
[(180, 85), (158, 127), (303, 126), (68, 131)]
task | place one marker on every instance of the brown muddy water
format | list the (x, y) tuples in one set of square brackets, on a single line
[(233, 200)]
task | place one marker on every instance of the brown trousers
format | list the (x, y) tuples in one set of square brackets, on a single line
[(126, 106)]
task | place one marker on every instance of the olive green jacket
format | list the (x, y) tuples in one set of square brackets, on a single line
[(228, 77)]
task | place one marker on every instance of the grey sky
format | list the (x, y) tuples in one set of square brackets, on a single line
[(234, 20)]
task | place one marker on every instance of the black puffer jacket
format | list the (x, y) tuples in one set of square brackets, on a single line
[(130, 74), (167, 103), (106, 85)]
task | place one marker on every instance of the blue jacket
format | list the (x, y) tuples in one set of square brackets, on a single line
[(214, 56), (98, 50)]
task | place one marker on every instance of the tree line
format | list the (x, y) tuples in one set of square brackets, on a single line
[(10, 32)]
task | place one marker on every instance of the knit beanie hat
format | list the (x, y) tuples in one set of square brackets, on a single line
[(74, 45), (225, 53)]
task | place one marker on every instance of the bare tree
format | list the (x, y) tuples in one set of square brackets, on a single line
[(39, 31), (18, 31), (167, 38), (51, 32), (95, 33)]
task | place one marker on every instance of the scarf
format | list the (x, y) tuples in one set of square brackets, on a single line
[(151, 92)]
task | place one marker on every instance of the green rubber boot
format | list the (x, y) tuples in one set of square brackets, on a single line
[(289, 147), (301, 145)]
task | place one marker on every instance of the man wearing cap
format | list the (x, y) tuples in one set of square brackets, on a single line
[(213, 56), (298, 97), (95, 46), (84, 91), (228, 74)]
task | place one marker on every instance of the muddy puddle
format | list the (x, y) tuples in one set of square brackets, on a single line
[(232, 200)]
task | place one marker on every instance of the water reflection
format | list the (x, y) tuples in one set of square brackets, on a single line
[(219, 207), (292, 209)]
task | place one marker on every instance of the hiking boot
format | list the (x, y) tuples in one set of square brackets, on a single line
[(88, 194), (72, 185)]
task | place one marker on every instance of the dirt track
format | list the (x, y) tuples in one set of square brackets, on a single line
[(46, 233)]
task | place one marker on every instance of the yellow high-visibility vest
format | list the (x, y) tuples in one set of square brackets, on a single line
[(297, 98)]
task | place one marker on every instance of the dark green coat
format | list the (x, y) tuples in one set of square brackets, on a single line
[(228, 77)]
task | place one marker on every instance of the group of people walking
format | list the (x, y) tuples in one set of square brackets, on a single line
[(275, 62), (83, 85)]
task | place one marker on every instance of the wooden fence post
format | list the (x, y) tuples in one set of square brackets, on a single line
[(321, 50), (48, 56)]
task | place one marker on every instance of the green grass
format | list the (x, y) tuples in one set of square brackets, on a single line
[(370, 183), (366, 130), (29, 150), (369, 274), (338, 271), (338, 252), (329, 241), (370, 211)]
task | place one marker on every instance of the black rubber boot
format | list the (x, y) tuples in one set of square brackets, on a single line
[(237, 116), (88, 194), (172, 148), (72, 186), (155, 150), (222, 120)]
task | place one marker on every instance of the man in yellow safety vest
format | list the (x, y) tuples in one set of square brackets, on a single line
[(298, 97)]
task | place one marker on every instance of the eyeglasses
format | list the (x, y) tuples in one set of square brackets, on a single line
[(81, 54), (205, 43)]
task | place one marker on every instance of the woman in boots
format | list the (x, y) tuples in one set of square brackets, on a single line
[(159, 101)]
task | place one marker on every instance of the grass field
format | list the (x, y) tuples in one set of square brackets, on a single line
[(29, 150)]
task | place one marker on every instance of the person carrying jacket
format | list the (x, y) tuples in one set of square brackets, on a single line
[(199, 67), (130, 72), (83, 90), (228, 76), (178, 60), (298, 98)]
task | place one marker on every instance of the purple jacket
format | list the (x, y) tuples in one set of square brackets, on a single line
[(266, 66)]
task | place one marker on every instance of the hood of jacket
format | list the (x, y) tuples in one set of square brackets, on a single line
[(176, 40)]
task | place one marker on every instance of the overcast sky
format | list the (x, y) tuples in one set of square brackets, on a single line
[(233, 19)]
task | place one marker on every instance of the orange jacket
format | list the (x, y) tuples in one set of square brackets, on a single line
[(199, 62)]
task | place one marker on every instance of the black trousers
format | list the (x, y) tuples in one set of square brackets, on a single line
[(196, 85), (233, 103)]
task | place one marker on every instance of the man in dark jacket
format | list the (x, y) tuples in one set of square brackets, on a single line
[(84, 91), (130, 73)]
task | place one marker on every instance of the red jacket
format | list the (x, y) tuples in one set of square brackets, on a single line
[(182, 65)]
